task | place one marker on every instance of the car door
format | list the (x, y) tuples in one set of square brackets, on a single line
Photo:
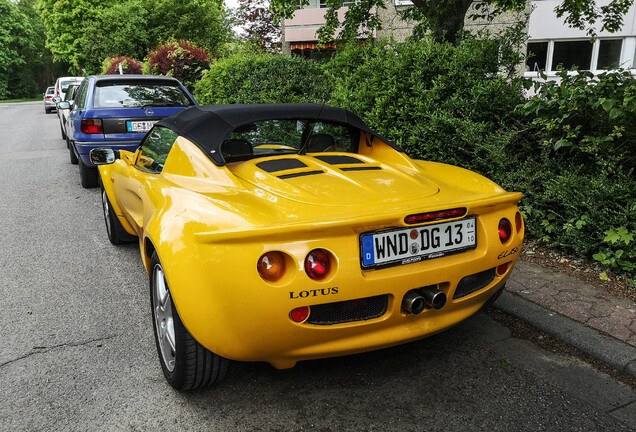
[(131, 188), (74, 120)]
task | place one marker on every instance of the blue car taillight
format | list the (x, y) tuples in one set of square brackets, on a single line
[(92, 126)]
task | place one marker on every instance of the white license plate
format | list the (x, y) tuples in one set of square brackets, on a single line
[(413, 244), (140, 126)]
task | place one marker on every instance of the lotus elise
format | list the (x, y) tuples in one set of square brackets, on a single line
[(289, 232)]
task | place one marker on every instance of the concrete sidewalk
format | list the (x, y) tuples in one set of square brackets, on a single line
[(588, 318)]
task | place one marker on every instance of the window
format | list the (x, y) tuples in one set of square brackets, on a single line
[(609, 54), (571, 54), (81, 95), (122, 94), (537, 56), (154, 149), (274, 137), (323, 3)]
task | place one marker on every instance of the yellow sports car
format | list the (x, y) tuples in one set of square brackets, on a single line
[(289, 232)]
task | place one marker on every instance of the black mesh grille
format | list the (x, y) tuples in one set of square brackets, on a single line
[(348, 311), (474, 282)]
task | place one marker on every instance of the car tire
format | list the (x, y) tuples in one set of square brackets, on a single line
[(185, 363), (493, 299), (116, 233), (71, 152), (88, 175), (47, 111)]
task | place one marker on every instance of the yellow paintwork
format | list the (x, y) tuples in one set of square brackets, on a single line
[(209, 226)]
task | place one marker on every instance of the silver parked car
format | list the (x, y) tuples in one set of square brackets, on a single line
[(49, 104)]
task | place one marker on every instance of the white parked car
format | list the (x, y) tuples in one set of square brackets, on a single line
[(62, 113), (62, 83)]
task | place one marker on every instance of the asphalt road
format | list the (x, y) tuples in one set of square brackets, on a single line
[(77, 350)]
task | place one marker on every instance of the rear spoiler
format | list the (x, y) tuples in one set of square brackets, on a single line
[(357, 223)]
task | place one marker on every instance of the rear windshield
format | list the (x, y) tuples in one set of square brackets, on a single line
[(272, 137), (121, 94), (50, 90)]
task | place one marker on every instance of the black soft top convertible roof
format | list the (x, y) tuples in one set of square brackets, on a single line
[(207, 126)]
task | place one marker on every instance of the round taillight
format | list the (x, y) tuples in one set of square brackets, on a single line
[(518, 222), (317, 264), (299, 314), (505, 230), (271, 266), (502, 269)]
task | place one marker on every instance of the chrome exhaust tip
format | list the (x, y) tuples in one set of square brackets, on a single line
[(433, 297), (413, 302)]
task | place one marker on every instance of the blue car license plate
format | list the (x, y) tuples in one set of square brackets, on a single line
[(414, 244)]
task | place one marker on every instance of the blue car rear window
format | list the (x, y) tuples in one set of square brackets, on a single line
[(139, 94)]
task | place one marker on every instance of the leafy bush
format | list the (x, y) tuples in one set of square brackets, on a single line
[(586, 118), (129, 66), (436, 100), (579, 173), (620, 250), (263, 79), (183, 60)]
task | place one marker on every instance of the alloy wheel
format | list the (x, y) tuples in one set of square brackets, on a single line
[(164, 321)]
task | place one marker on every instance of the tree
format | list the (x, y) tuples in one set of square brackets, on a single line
[(445, 19), (183, 60), (203, 22), (85, 32), (22, 53), (257, 20), (129, 66)]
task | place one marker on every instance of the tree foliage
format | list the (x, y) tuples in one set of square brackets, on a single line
[(183, 60), (257, 21), (129, 66), (445, 19), (23, 58), (85, 32)]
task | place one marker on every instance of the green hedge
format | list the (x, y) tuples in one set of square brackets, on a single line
[(581, 168), (263, 79), (440, 102)]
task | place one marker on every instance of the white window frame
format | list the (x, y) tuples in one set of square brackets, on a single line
[(627, 58)]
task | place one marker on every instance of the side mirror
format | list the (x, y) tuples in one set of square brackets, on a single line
[(57, 99), (103, 156), (64, 105)]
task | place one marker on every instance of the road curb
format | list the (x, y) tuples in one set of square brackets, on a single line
[(617, 354)]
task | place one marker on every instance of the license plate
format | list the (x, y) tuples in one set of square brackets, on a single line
[(140, 126), (414, 244)]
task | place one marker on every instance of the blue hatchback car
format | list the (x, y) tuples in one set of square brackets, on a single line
[(116, 111)]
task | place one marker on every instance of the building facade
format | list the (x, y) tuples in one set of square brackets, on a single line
[(551, 43)]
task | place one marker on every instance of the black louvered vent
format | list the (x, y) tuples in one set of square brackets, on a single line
[(474, 282), (339, 159), (276, 165), (348, 311)]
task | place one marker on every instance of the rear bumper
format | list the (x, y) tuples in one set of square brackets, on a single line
[(240, 316)]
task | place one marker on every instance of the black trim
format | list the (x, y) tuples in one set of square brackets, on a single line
[(300, 174), (339, 160), (276, 165)]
